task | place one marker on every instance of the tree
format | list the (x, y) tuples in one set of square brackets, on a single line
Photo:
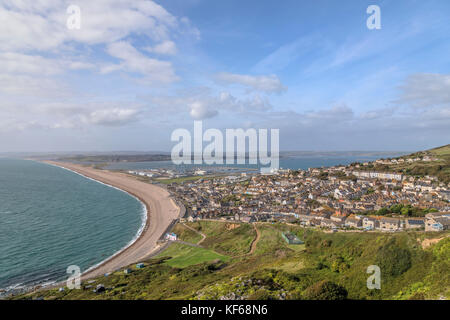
[(405, 211)]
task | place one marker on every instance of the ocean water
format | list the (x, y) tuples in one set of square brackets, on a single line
[(51, 218), (293, 163)]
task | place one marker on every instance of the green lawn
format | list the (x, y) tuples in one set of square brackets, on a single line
[(184, 256)]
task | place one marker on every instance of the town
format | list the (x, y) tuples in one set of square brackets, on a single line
[(339, 198)]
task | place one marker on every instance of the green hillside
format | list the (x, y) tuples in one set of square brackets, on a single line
[(439, 166), (414, 265)]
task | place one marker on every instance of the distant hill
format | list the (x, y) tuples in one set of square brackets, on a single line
[(117, 158), (433, 162), (442, 153)]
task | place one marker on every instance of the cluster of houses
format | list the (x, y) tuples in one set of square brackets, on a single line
[(438, 221), (403, 160), (154, 173), (335, 197)]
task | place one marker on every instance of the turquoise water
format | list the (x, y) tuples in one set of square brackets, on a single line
[(51, 218)]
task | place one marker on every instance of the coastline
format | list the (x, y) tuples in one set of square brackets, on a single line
[(160, 209)]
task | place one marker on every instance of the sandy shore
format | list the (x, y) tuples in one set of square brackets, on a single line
[(161, 211)]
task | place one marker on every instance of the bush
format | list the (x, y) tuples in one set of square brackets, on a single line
[(393, 260), (339, 265), (325, 290)]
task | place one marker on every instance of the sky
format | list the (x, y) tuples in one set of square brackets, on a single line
[(136, 70)]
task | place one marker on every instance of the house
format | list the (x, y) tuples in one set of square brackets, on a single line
[(370, 223), (171, 237), (353, 222), (437, 224), (314, 222), (328, 223), (414, 223), (389, 224), (248, 219), (338, 217), (320, 215)]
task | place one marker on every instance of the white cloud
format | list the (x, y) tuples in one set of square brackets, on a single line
[(68, 115), (426, 90), (200, 110), (254, 104), (12, 62), (164, 48), (111, 117), (41, 25), (19, 63), (264, 83), (32, 86), (202, 103), (134, 61)]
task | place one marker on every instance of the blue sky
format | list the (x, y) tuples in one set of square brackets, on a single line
[(136, 70)]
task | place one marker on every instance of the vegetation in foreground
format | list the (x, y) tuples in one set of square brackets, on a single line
[(329, 266)]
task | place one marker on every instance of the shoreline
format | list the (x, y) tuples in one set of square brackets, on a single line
[(145, 218), (160, 211)]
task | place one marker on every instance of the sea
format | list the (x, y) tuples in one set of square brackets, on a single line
[(52, 218), (287, 162)]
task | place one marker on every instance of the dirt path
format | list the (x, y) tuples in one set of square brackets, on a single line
[(429, 242), (253, 244), (196, 231), (255, 241)]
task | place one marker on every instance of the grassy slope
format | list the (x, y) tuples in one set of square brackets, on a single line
[(440, 168), (183, 255), (186, 235), (226, 238), (276, 269)]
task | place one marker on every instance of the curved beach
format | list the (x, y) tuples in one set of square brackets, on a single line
[(161, 211)]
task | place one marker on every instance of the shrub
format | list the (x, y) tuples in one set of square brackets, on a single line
[(393, 260), (325, 290), (260, 294)]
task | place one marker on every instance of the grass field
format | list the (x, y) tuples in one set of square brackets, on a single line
[(183, 256), (230, 239)]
